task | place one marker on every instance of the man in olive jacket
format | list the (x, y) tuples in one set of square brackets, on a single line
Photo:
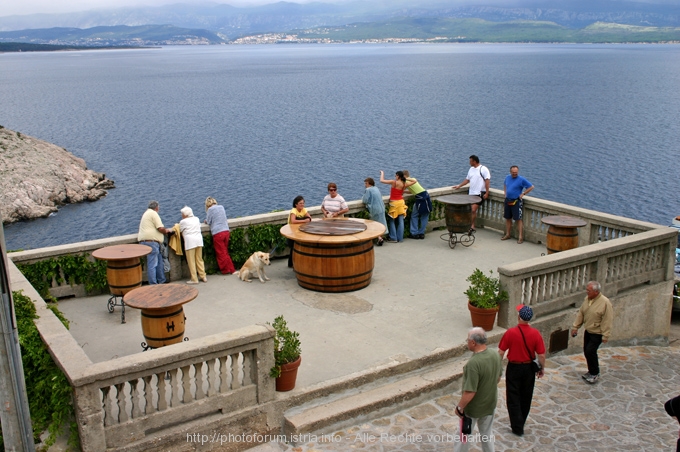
[(596, 316)]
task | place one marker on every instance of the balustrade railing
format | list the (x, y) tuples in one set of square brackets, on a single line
[(143, 393), (552, 283)]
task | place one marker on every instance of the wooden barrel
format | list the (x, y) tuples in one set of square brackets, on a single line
[(124, 275), (328, 267), (561, 239), (163, 326), (458, 217)]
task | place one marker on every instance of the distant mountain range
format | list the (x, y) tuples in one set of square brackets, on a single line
[(211, 23), (232, 22)]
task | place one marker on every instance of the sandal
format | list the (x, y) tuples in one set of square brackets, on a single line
[(520, 241), (505, 237)]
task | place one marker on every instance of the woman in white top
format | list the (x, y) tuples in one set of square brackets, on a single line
[(193, 244), (333, 204)]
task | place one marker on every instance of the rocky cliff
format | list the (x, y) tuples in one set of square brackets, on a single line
[(36, 177)]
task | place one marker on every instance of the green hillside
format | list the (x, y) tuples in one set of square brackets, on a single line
[(478, 30)]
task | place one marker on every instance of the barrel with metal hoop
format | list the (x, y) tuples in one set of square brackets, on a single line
[(459, 218), (163, 320), (123, 270), (334, 255), (563, 233), (163, 326), (331, 267)]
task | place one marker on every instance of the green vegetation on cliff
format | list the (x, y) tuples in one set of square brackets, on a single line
[(478, 30)]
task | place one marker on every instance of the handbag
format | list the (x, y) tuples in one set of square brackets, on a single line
[(466, 425), (535, 365)]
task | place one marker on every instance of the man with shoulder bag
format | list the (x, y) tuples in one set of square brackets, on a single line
[(526, 361), (477, 405)]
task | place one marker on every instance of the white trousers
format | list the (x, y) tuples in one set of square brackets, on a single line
[(485, 427)]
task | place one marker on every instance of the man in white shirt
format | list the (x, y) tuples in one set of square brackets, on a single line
[(479, 178)]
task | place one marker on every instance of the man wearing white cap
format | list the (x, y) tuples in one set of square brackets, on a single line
[(523, 343)]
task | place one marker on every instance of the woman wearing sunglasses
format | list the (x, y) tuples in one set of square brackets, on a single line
[(334, 205)]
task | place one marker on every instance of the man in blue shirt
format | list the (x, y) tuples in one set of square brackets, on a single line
[(515, 188)]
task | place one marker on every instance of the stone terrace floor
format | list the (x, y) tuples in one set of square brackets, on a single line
[(414, 306)]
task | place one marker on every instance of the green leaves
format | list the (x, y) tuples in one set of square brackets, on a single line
[(245, 241), (74, 269), (286, 346), (484, 291), (49, 392)]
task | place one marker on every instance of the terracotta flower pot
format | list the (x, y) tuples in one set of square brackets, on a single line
[(484, 318), (286, 381)]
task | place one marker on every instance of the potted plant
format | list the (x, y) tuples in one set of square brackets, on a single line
[(484, 297), (287, 357)]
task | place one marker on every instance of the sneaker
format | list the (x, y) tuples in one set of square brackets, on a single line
[(592, 379), (586, 376), (413, 236), (391, 241), (192, 282), (421, 236)]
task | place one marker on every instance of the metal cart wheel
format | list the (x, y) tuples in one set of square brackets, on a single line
[(452, 241), (467, 239)]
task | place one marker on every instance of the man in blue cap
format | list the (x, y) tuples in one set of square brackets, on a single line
[(523, 343)]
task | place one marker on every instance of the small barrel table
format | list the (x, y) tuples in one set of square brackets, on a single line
[(163, 317), (459, 219), (334, 255), (562, 233), (123, 271)]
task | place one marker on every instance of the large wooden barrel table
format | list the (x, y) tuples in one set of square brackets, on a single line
[(123, 271), (162, 312), (562, 233), (459, 218), (333, 255)]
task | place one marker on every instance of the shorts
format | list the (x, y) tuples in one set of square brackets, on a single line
[(481, 195), (513, 210)]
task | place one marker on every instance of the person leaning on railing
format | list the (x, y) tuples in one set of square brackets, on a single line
[(216, 217), (151, 233)]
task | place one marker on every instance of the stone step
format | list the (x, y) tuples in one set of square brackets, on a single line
[(376, 399)]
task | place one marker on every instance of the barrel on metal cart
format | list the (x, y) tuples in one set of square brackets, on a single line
[(124, 275), (329, 267), (163, 326), (458, 217)]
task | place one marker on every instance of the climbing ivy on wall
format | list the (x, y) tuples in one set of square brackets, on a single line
[(74, 269), (262, 237), (50, 399)]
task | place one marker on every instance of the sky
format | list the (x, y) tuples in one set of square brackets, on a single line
[(12, 7), (21, 7)]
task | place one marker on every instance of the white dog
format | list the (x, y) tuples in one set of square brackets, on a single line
[(254, 266)]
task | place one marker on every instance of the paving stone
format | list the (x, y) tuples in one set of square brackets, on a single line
[(566, 413), (423, 411)]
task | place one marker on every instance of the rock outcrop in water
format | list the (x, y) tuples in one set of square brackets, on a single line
[(36, 177)]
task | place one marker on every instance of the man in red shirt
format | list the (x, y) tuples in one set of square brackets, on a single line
[(523, 343)]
